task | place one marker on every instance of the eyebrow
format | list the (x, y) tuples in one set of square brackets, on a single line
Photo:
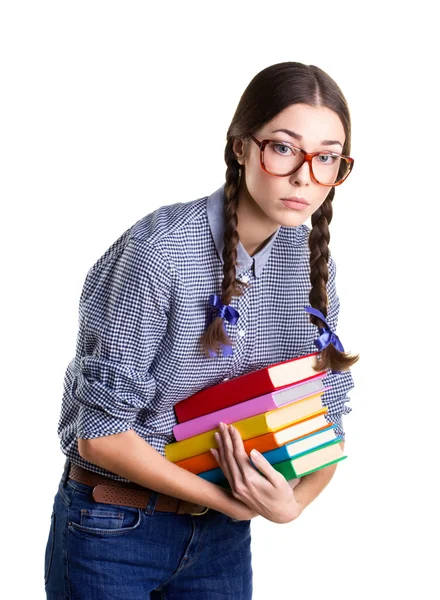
[(300, 137)]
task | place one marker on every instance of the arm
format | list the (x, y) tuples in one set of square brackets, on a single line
[(130, 456), (123, 319)]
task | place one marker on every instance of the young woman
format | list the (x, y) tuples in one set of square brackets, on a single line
[(155, 328)]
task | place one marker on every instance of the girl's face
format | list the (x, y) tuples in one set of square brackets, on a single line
[(261, 192)]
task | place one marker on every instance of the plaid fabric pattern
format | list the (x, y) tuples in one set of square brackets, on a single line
[(143, 308)]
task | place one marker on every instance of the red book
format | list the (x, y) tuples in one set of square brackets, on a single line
[(248, 386)]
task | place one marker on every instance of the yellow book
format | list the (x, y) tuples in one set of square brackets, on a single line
[(248, 428)]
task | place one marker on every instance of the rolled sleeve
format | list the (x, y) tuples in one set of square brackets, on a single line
[(123, 319), (336, 398)]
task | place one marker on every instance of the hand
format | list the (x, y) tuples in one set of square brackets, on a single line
[(270, 496)]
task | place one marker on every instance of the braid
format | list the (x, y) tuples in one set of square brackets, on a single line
[(214, 335), (319, 238)]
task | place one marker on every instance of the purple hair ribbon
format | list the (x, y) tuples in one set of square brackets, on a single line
[(224, 311), (327, 335)]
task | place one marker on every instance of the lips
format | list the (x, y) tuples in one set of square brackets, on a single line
[(296, 199)]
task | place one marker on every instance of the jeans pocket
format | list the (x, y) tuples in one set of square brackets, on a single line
[(97, 518), (232, 520), (49, 548)]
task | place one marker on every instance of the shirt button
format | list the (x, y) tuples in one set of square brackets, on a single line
[(241, 332)]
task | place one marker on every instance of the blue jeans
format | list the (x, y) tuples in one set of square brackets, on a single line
[(99, 551)]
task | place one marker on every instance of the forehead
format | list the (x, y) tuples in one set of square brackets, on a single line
[(313, 123)]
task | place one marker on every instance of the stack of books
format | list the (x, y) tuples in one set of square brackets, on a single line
[(278, 410)]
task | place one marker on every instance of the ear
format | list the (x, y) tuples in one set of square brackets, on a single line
[(238, 147)]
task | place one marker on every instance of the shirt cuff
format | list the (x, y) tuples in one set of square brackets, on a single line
[(92, 423)]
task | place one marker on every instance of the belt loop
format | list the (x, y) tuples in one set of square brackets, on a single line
[(65, 475), (152, 503)]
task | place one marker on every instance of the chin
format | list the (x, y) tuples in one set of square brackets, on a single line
[(296, 223), (294, 220)]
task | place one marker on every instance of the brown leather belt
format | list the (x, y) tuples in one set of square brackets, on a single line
[(111, 491)]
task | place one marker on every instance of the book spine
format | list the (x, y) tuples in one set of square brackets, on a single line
[(190, 447), (286, 469), (237, 412), (213, 475), (224, 394), (198, 444), (277, 455), (199, 463)]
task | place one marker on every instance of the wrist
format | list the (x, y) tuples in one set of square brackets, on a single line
[(229, 505)]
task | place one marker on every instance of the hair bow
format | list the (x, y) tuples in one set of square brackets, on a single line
[(224, 311), (327, 335)]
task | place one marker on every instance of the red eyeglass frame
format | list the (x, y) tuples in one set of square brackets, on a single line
[(307, 158)]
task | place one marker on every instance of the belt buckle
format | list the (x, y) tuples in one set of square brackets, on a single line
[(196, 514)]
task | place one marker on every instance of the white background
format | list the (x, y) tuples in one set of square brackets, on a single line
[(109, 110)]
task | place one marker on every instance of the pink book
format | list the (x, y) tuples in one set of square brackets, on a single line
[(243, 410)]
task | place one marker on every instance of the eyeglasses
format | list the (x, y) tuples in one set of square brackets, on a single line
[(282, 159)]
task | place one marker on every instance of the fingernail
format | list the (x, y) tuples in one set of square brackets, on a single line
[(231, 429), (216, 435)]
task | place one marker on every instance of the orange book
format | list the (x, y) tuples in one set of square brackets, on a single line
[(262, 443)]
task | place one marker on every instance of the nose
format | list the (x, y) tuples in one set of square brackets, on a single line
[(301, 176)]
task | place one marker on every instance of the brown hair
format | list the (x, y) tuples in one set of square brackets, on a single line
[(271, 91)]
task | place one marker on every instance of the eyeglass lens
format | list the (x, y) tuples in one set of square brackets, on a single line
[(281, 159)]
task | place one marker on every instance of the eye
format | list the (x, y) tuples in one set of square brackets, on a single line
[(284, 150), (327, 159)]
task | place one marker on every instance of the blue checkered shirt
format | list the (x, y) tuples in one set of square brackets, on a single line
[(143, 308)]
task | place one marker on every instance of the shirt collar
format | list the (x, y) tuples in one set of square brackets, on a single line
[(216, 218)]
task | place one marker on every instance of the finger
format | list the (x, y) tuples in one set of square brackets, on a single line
[(221, 454), (221, 465), (251, 475), (264, 466), (230, 458), (240, 453), (215, 454), (220, 449)]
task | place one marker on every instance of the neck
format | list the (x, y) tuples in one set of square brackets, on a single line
[(254, 227)]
